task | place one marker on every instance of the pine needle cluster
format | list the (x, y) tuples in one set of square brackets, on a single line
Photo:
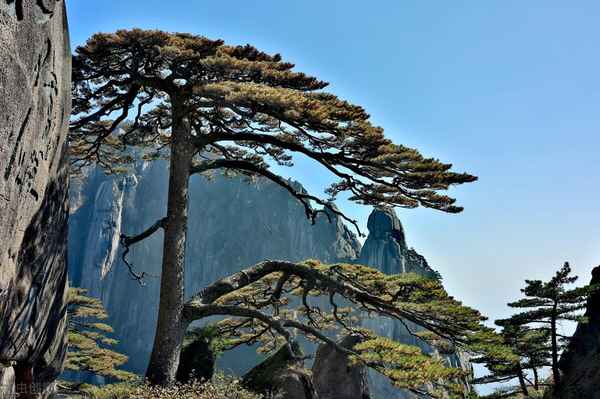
[(90, 346)]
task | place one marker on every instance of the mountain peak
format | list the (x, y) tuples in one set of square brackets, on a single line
[(384, 222)]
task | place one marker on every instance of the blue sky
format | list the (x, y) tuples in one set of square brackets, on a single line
[(507, 90)]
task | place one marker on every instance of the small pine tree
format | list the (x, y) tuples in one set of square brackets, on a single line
[(547, 304), (89, 347)]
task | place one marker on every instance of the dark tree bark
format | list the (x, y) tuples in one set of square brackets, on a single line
[(522, 384), (171, 326), (555, 370)]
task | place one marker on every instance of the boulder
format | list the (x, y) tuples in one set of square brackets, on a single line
[(197, 359), (282, 376), (335, 377)]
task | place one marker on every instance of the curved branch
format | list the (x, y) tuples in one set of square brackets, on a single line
[(128, 241), (321, 281)]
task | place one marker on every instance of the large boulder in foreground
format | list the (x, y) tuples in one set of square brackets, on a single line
[(35, 69), (197, 358), (335, 377), (580, 362), (282, 376)]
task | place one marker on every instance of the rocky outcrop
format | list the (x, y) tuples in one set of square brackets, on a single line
[(580, 362), (282, 376), (335, 377), (35, 71), (386, 250)]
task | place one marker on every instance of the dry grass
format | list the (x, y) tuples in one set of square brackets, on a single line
[(220, 388)]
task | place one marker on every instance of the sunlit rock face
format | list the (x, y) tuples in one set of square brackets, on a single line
[(35, 70), (232, 224)]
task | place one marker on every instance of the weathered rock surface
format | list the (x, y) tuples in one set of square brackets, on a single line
[(35, 69), (580, 362), (333, 375), (282, 376), (386, 249)]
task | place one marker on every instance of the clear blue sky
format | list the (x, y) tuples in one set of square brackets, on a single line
[(507, 90)]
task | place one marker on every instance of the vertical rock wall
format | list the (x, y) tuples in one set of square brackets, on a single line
[(580, 362), (35, 71)]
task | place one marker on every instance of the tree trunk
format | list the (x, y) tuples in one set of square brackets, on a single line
[(522, 383), (555, 370), (536, 379), (171, 326)]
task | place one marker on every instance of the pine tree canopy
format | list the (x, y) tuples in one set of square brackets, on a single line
[(238, 109), (545, 305), (552, 299)]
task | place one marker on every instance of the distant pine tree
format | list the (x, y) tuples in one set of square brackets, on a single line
[(89, 347), (547, 304)]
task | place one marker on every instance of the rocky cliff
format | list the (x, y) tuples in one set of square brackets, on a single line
[(34, 111), (233, 224), (580, 362)]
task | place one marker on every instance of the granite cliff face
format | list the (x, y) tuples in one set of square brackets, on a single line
[(35, 66), (386, 249), (233, 224)]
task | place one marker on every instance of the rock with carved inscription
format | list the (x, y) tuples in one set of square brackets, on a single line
[(34, 112)]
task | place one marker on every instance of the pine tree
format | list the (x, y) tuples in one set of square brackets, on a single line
[(89, 346), (547, 304), (207, 106), (510, 354)]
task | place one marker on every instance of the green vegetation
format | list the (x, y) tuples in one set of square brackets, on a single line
[(90, 346), (271, 303), (547, 304), (530, 340), (208, 107)]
